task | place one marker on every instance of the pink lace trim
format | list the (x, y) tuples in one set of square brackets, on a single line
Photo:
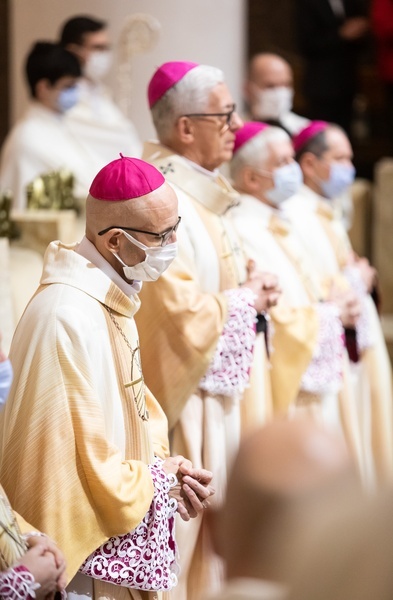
[(324, 373), (229, 370), (364, 337), (145, 558), (18, 584)]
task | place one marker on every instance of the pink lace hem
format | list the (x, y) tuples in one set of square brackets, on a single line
[(324, 373), (18, 583), (229, 370), (145, 558), (364, 337)]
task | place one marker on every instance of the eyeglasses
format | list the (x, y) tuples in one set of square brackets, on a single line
[(164, 237), (228, 115)]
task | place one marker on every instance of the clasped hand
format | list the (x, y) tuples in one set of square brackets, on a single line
[(193, 488)]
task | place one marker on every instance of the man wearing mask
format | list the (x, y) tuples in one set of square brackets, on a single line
[(325, 157), (309, 366), (199, 349), (84, 442), (40, 142), (269, 92), (96, 122)]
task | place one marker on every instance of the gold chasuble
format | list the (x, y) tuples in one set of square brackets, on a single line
[(79, 427), (328, 247), (183, 313), (181, 320)]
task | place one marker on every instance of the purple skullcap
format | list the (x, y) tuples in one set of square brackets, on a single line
[(166, 77), (249, 130), (306, 134), (125, 178)]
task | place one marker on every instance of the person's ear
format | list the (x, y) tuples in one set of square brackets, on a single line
[(42, 88), (307, 164), (251, 180), (112, 239), (76, 50), (185, 130)]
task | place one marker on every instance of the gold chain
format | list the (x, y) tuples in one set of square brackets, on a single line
[(139, 397)]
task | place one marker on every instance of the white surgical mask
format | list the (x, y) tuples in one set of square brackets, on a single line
[(158, 259), (273, 103), (287, 181), (340, 178), (6, 376), (68, 98), (98, 65)]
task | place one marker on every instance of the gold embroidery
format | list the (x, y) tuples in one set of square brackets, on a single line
[(136, 375)]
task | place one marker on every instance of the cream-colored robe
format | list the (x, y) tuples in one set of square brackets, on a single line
[(99, 126), (328, 246), (40, 143), (74, 448), (268, 238), (181, 319)]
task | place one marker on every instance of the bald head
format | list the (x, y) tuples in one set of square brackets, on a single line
[(279, 468), (155, 212), (269, 88), (270, 70)]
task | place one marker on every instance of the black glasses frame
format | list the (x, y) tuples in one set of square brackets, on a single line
[(228, 115), (164, 236)]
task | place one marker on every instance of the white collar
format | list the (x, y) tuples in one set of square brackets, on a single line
[(212, 174), (260, 209), (86, 249)]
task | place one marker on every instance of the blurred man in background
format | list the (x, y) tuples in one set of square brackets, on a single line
[(96, 122)]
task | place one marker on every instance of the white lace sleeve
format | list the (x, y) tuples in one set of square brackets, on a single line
[(145, 558), (229, 370), (364, 337), (324, 373), (17, 583)]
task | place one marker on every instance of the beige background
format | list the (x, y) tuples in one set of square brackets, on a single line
[(206, 31)]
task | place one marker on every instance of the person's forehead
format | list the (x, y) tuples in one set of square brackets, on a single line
[(163, 200), (66, 81), (92, 39), (337, 140), (280, 148), (220, 98), (272, 69)]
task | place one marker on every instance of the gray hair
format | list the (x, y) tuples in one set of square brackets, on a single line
[(189, 95), (255, 153)]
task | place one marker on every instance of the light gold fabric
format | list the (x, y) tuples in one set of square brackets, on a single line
[(180, 322), (328, 245), (12, 544), (73, 448)]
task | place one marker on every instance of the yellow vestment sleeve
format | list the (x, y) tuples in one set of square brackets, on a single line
[(295, 333), (179, 327)]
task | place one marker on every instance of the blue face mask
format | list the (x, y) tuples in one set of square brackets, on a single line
[(341, 177), (287, 181), (6, 376), (68, 98)]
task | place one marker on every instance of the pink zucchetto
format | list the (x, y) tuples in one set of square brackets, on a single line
[(166, 77), (311, 130), (125, 178), (249, 130)]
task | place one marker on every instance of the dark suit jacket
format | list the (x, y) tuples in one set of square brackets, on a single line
[(330, 61)]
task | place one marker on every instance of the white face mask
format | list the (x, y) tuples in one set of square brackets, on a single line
[(158, 259), (287, 181), (6, 376), (98, 65), (273, 103)]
